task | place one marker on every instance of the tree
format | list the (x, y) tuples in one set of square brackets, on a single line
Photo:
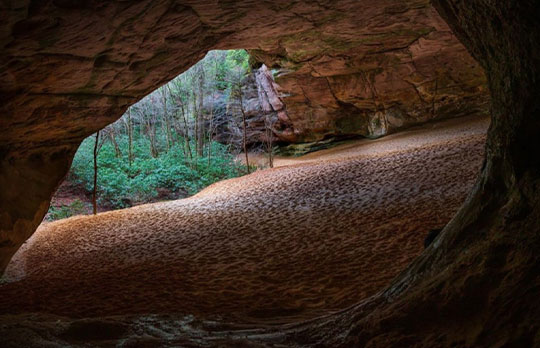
[(244, 127), (167, 123), (148, 113), (160, 139), (269, 140), (235, 78), (94, 192), (112, 135), (200, 112), (129, 130)]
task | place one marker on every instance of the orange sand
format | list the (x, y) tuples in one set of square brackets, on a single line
[(279, 245)]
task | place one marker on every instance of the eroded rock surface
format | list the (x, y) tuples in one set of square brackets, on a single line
[(68, 69), (277, 246), (261, 105), (401, 66), (477, 285), (78, 67)]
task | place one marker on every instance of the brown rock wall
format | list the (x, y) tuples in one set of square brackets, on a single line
[(69, 68), (397, 71)]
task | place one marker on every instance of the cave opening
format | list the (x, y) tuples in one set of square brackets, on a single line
[(164, 148), (180, 138), (334, 86), (482, 264)]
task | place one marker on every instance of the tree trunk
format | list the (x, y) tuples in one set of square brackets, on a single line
[(112, 136), (179, 135), (244, 140), (210, 130), (130, 137), (196, 125), (269, 141), (200, 120), (151, 129), (186, 134), (168, 134), (94, 191)]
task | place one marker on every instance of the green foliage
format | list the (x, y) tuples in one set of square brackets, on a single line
[(121, 185), (185, 107), (222, 66), (76, 207), (237, 59)]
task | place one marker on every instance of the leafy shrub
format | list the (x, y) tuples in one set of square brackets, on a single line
[(121, 185), (76, 207)]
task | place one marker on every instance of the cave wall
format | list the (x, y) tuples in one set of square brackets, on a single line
[(400, 67), (69, 68), (477, 285), (66, 71), (368, 81)]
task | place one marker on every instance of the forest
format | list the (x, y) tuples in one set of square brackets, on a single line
[(163, 147)]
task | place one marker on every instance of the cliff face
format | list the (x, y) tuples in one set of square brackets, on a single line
[(68, 70), (402, 67), (477, 284), (262, 107), (318, 96), (397, 71)]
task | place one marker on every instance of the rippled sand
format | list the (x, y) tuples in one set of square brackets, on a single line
[(317, 234)]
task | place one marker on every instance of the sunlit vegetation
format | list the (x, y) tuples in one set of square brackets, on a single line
[(162, 147), (168, 173), (76, 207)]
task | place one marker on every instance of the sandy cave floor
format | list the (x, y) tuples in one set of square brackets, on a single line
[(315, 235)]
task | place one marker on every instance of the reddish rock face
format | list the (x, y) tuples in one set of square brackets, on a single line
[(401, 67), (262, 106), (68, 69)]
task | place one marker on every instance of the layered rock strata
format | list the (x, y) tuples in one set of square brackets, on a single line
[(68, 69)]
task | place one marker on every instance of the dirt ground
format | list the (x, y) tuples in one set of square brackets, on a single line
[(314, 235)]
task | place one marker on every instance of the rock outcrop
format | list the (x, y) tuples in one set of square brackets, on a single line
[(396, 70), (69, 68), (477, 284), (262, 107)]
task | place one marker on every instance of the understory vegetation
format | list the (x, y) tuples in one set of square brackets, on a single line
[(76, 207), (168, 175), (162, 147)]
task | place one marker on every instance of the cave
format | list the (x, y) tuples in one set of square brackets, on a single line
[(69, 69)]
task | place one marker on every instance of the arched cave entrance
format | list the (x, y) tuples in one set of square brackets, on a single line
[(483, 268)]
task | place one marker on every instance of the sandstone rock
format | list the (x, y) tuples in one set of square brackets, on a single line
[(257, 108), (478, 285), (268, 90), (395, 72), (68, 69)]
